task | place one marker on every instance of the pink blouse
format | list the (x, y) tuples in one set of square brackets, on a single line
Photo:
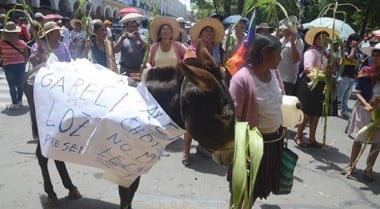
[(312, 58)]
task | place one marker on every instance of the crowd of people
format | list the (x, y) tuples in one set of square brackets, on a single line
[(277, 64)]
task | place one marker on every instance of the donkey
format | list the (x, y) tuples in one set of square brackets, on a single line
[(193, 94)]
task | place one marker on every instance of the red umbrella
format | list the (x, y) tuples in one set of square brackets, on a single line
[(52, 17), (129, 10)]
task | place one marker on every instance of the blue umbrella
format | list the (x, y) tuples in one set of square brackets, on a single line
[(233, 19)]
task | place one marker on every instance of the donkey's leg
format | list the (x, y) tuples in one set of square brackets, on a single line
[(48, 186), (126, 194), (66, 180)]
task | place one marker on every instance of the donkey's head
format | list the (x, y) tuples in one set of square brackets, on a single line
[(195, 95), (206, 105)]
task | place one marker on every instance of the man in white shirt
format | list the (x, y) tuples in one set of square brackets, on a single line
[(291, 53)]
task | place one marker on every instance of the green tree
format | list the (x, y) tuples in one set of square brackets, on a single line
[(364, 20), (367, 19)]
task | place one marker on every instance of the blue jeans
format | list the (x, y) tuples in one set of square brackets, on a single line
[(344, 91), (14, 74)]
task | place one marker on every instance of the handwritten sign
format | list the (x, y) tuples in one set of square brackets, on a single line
[(87, 114)]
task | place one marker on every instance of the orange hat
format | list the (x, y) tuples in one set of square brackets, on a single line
[(107, 22)]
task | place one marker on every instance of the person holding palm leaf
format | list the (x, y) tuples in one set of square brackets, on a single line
[(101, 48), (367, 92), (312, 99), (257, 90)]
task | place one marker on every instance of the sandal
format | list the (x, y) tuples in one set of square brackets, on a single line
[(74, 194), (347, 169), (186, 161), (53, 201), (315, 144), (368, 176), (300, 142)]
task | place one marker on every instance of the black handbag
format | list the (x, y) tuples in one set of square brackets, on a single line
[(288, 164)]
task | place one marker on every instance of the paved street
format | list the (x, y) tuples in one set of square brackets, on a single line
[(169, 185)]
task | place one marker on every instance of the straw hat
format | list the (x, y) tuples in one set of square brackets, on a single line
[(290, 23), (10, 32), (74, 21), (205, 22), (49, 27), (368, 50), (310, 34), (163, 20), (11, 27)]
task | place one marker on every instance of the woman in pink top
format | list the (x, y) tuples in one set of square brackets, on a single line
[(257, 90), (312, 100), (13, 52), (166, 51)]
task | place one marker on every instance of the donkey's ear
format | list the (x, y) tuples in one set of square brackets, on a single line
[(198, 76), (203, 56), (192, 61)]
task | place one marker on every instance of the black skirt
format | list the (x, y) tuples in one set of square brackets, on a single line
[(268, 176), (312, 100)]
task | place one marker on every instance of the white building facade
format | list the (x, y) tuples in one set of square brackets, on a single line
[(109, 8)]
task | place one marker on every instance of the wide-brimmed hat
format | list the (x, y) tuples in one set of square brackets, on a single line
[(290, 23), (11, 27), (310, 34), (74, 21), (208, 22), (263, 25), (163, 20), (49, 27), (368, 49)]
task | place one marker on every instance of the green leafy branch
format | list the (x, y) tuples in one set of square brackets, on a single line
[(249, 150), (26, 10), (85, 20)]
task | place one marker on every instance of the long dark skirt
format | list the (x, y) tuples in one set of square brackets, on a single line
[(268, 176), (312, 100)]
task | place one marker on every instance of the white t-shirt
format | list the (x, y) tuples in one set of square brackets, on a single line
[(288, 69), (109, 33)]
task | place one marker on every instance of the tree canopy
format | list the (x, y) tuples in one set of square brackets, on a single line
[(364, 20)]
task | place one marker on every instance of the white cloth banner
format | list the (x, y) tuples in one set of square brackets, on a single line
[(89, 115)]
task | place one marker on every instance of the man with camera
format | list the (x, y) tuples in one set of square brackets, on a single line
[(132, 47)]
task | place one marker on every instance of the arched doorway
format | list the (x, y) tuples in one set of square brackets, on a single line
[(77, 13), (64, 8), (115, 14), (108, 13), (98, 12), (89, 9)]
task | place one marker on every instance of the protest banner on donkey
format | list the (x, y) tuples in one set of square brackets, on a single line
[(89, 115)]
